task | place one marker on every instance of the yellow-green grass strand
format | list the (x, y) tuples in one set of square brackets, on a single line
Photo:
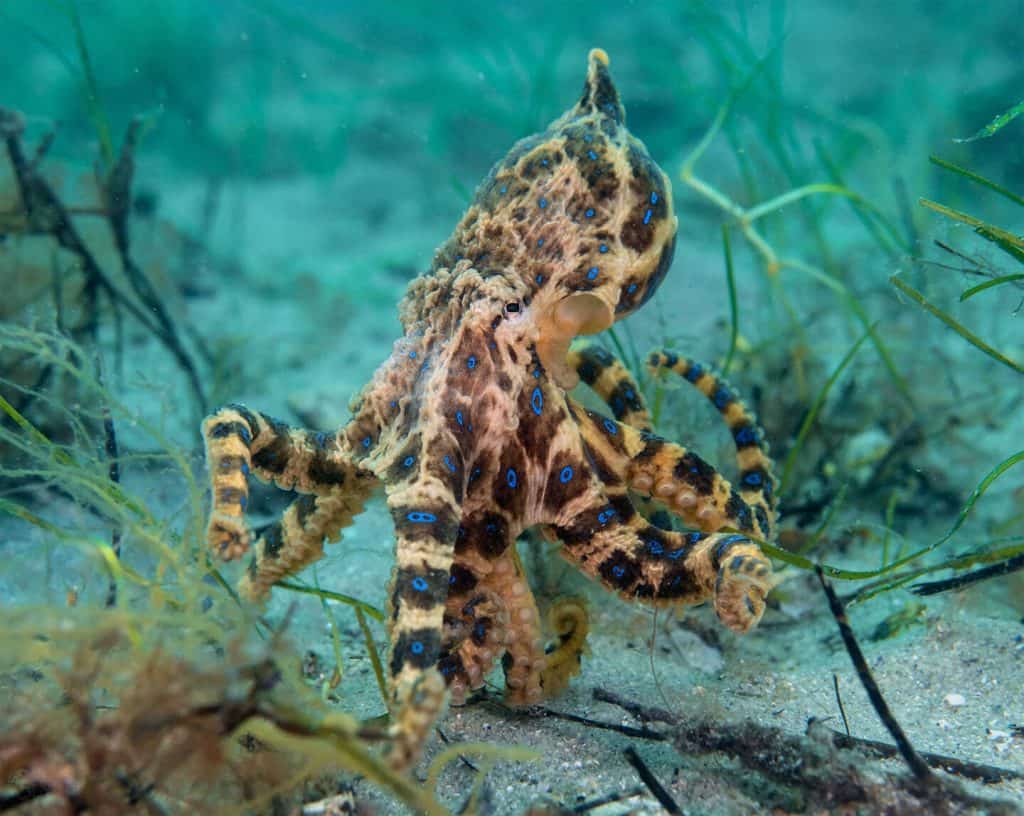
[(730, 282), (36, 435), (977, 178), (328, 741), (1012, 244), (956, 326), (812, 415), (976, 494), (512, 753), (330, 595), (958, 562), (989, 284), (333, 624), (371, 650), (998, 123), (92, 92)]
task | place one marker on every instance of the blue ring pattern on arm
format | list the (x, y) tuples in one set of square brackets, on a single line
[(566, 475), (417, 517), (537, 401), (511, 478)]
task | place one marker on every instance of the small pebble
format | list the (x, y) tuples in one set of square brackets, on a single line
[(954, 700)]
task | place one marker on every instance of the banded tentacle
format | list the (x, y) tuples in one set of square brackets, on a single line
[(756, 484), (240, 441)]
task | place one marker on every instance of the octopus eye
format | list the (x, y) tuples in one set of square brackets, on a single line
[(512, 307)]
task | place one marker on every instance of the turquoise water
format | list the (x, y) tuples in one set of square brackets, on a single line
[(848, 182)]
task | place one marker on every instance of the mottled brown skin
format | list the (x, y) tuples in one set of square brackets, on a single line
[(469, 428)]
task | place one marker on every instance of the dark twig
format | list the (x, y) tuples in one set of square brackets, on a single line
[(995, 570), (839, 702), (46, 214), (641, 712), (117, 197), (446, 741), (629, 731), (978, 771), (917, 765), (10, 801), (114, 474), (607, 799), (651, 781), (753, 743)]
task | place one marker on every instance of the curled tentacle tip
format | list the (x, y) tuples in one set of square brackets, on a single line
[(599, 55)]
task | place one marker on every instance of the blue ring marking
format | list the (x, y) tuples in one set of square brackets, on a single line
[(605, 516), (544, 162), (412, 355), (694, 538), (421, 518), (540, 242), (725, 543), (542, 203), (721, 397), (471, 362), (591, 155), (246, 435), (504, 188), (459, 418), (631, 289), (745, 435), (416, 647), (394, 403), (475, 474), (618, 570), (752, 479), (590, 212), (695, 373), (451, 579), (654, 197), (243, 502), (408, 461), (603, 248), (592, 273), (566, 474), (611, 427), (630, 394), (675, 555), (366, 442), (539, 279), (449, 463), (537, 400), (446, 669), (245, 469), (647, 216), (655, 548), (480, 630), (419, 583), (511, 478)]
